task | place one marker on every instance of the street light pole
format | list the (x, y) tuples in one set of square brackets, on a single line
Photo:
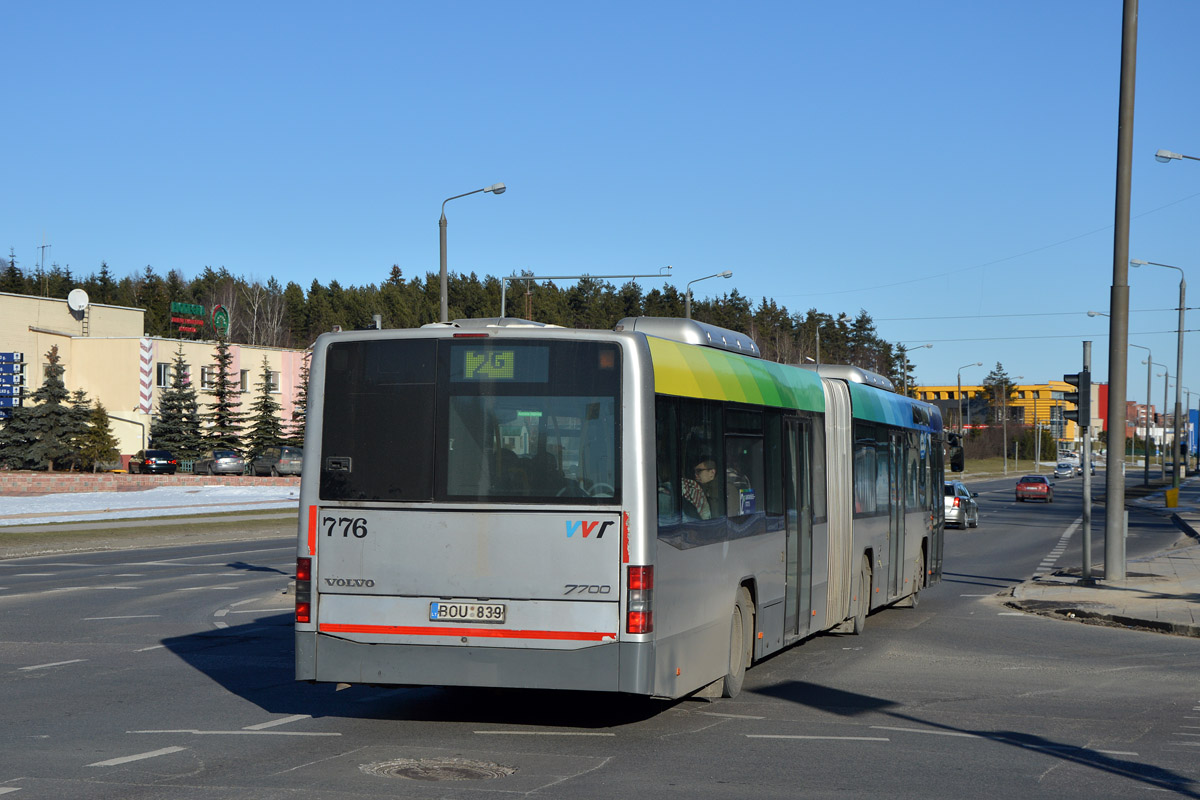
[(961, 428), (1178, 363), (904, 367), (1146, 445), (687, 295), (495, 188)]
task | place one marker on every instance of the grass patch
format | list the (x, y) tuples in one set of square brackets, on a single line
[(117, 534)]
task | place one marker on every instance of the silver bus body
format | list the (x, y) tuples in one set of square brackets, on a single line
[(424, 561)]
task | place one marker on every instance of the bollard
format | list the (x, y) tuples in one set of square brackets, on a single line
[(1172, 498)]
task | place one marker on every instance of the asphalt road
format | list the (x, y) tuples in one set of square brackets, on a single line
[(167, 672)]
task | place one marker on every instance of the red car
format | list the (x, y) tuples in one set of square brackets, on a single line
[(1035, 487)]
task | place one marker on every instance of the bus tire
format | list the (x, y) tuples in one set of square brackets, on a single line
[(741, 639), (864, 596)]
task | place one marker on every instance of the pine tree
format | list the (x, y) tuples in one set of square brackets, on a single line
[(300, 407), (177, 427), (224, 421), (266, 427), (97, 445), (51, 421), (80, 417)]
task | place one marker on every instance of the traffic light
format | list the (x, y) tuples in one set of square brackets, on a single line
[(1082, 398)]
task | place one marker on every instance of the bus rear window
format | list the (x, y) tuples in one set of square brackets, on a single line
[(414, 420), (532, 422), (377, 439)]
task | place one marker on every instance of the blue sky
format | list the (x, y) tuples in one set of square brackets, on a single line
[(938, 164)]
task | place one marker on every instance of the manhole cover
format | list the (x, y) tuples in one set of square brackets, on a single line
[(438, 769)]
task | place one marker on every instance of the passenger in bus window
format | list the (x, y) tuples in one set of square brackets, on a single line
[(697, 490)]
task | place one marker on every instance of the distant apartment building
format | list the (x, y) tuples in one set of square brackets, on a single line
[(1028, 404)]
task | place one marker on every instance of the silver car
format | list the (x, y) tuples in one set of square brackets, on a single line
[(1064, 469), (215, 462), (961, 508)]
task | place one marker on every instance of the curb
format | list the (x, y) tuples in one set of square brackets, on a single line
[(1049, 608)]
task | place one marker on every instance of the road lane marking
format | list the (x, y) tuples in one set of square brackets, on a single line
[(240, 733), (113, 762), (832, 738), (932, 733), (262, 725), (8, 789), (53, 664), (155, 647), (728, 716), (541, 733)]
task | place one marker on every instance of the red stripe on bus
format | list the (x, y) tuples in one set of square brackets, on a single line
[(312, 530), (492, 633)]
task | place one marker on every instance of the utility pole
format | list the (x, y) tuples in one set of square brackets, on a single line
[(1086, 463), (1118, 303)]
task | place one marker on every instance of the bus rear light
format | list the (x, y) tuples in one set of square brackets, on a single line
[(303, 589), (639, 595), (471, 335)]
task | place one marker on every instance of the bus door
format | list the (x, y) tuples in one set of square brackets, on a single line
[(896, 441), (798, 510)]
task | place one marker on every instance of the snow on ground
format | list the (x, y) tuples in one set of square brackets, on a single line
[(160, 502)]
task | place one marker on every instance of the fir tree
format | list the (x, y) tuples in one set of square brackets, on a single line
[(97, 445), (51, 421), (224, 421), (80, 417), (300, 407), (266, 428), (178, 425)]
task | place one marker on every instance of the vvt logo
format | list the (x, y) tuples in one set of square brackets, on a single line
[(587, 527)]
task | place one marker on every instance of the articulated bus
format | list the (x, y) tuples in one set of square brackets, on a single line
[(647, 510)]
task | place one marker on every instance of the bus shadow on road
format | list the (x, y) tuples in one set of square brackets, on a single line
[(255, 661), (852, 704)]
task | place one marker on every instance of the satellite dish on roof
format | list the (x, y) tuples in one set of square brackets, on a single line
[(77, 300)]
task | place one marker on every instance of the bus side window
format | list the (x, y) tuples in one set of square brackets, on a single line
[(666, 440), (702, 490), (743, 474)]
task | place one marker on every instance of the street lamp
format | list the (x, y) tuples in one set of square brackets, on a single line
[(1146, 445), (1166, 376), (1166, 157), (904, 367), (687, 296), (961, 430), (1178, 362), (495, 188)]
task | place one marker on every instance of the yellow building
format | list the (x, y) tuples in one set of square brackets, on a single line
[(104, 353), (1028, 404)]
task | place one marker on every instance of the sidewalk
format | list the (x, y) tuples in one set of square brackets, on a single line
[(1159, 593)]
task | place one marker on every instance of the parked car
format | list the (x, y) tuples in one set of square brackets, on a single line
[(961, 508), (1064, 470), (153, 461), (1035, 487), (226, 462), (277, 461)]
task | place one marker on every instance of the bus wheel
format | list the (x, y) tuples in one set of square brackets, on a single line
[(864, 596), (741, 639)]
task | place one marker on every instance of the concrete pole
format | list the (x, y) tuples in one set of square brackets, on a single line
[(1118, 339)]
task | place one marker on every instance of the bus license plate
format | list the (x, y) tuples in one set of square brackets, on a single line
[(466, 612)]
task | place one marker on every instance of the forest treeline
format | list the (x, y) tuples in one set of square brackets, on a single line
[(274, 315)]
